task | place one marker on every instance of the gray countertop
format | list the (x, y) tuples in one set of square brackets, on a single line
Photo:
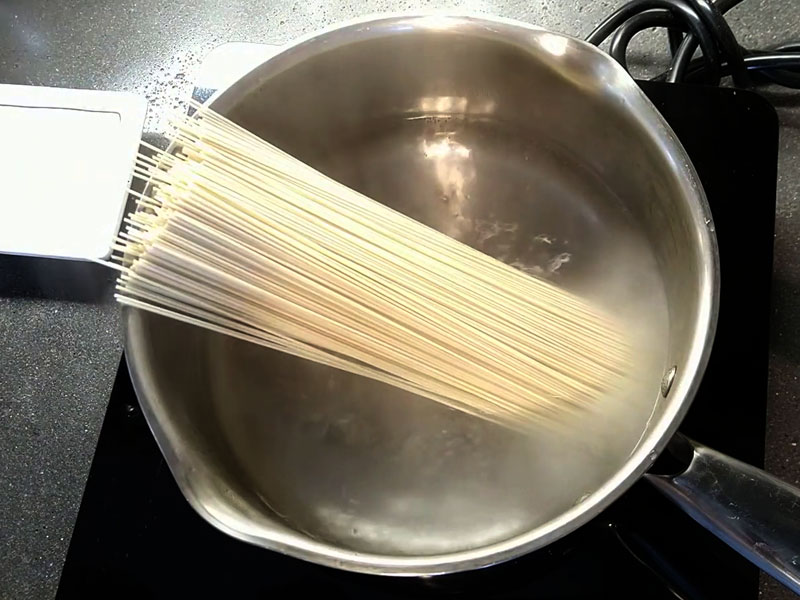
[(60, 340)]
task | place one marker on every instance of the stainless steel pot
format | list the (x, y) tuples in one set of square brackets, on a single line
[(536, 148)]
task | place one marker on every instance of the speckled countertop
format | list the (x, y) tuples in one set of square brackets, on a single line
[(60, 340)]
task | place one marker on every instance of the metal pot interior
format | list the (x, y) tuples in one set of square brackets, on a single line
[(528, 145)]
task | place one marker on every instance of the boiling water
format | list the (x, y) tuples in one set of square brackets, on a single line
[(372, 468)]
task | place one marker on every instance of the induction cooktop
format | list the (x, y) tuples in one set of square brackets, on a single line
[(137, 537)]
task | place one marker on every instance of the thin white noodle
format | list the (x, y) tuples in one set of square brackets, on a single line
[(238, 237)]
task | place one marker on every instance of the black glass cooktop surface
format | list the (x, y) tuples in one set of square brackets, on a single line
[(136, 536)]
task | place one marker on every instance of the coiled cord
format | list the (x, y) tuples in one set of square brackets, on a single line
[(693, 24)]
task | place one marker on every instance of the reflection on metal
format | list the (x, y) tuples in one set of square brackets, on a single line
[(555, 44), (456, 106), (666, 383)]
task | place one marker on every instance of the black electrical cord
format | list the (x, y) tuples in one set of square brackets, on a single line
[(764, 67), (675, 36), (679, 8), (729, 47), (693, 24), (638, 23), (787, 55)]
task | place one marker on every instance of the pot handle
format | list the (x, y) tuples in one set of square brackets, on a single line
[(758, 515)]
